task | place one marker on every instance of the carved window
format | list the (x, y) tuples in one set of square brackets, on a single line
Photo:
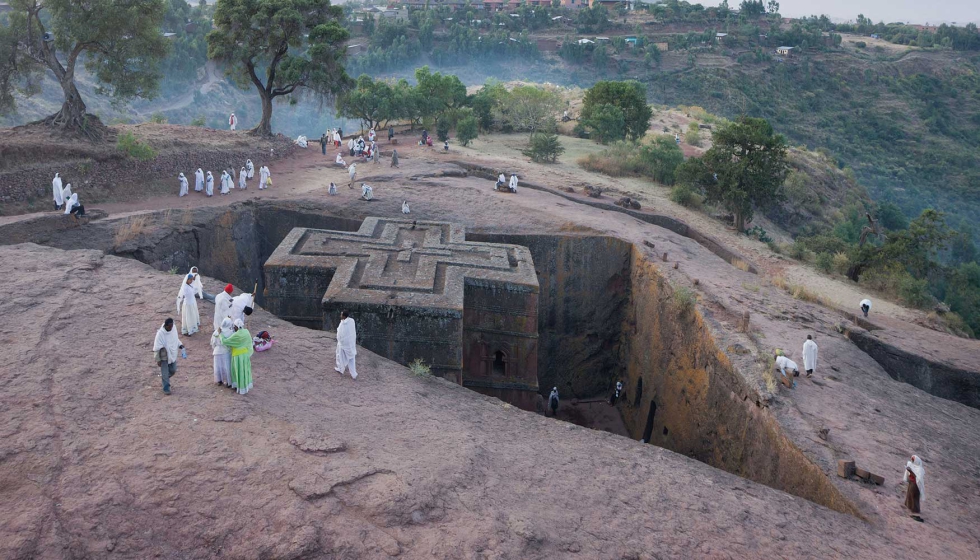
[(499, 363)]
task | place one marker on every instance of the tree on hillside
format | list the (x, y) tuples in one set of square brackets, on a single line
[(530, 108), (745, 168), (606, 124), (282, 47), (437, 93), (118, 41), (630, 97), (371, 101)]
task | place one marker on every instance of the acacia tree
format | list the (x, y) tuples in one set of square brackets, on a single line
[(282, 47), (744, 168), (118, 40)]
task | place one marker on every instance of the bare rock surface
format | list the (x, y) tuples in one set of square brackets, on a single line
[(96, 462)]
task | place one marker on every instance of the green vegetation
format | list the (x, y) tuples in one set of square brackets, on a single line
[(543, 147), (466, 130), (631, 100), (119, 43), (744, 168), (128, 144), (419, 368), (293, 44), (657, 161)]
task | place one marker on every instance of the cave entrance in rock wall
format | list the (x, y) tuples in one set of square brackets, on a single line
[(499, 363), (648, 430)]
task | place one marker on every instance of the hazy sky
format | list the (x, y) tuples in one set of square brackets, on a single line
[(911, 11)]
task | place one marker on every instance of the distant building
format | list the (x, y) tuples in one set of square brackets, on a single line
[(785, 51), (5, 7), (574, 4), (662, 47), (720, 35), (610, 3)]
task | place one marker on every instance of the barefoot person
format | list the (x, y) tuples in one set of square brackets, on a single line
[(240, 343), (809, 355), (346, 345), (166, 345), (915, 476), (190, 319)]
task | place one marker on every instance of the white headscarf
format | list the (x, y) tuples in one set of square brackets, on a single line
[(59, 199), (198, 287), (915, 465), (66, 194), (71, 203), (238, 323), (167, 339)]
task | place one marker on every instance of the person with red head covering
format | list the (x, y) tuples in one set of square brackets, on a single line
[(222, 306)]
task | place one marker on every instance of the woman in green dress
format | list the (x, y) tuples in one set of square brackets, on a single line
[(241, 357)]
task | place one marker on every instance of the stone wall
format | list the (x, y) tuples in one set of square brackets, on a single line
[(683, 393)]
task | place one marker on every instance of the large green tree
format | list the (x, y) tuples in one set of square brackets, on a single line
[(630, 97), (745, 168), (282, 47), (437, 92), (118, 41)]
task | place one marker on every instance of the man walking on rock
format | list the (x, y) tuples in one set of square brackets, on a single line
[(165, 348), (346, 345)]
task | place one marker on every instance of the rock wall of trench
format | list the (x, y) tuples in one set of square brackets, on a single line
[(704, 408), (584, 284)]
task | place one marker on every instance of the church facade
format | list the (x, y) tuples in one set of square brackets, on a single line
[(417, 290)]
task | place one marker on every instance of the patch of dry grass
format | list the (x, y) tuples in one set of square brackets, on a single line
[(131, 229), (767, 373), (740, 264), (799, 292)]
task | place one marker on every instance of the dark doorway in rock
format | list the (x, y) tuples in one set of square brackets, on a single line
[(499, 363), (639, 392), (648, 431)]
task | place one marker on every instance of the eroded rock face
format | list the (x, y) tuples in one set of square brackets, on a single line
[(311, 464)]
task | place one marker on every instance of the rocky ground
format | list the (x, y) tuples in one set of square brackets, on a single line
[(95, 461)]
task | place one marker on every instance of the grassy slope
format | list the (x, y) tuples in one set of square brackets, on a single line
[(908, 126)]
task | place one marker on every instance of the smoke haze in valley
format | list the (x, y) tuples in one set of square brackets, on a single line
[(908, 11)]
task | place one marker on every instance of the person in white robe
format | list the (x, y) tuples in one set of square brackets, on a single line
[(241, 179), (336, 138), (553, 401), (198, 180), (196, 284), (350, 146), (268, 177), (224, 183), (261, 177), (865, 306), (57, 189), (66, 193), (71, 203), (250, 167), (405, 209), (183, 185), (352, 173), (346, 345), (190, 318), (209, 185), (241, 306), (809, 355), (367, 193), (340, 160), (332, 189), (222, 353), (916, 492), (501, 181), (513, 183), (233, 121), (782, 364), (222, 306), (371, 135), (166, 348)]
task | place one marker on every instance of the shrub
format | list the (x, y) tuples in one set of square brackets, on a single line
[(914, 292), (158, 118), (132, 147), (825, 262), (466, 130), (686, 196), (199, 121), (657, 161), (841, 262), (861, 45), (741, 265), (762, 235), (693, 137), (684, 299), (442, 129), (419, 369), (799, 251), (544, 147)]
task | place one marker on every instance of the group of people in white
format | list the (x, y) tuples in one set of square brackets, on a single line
[(65, 198), (231, 343), (204, 182), (503, 185)]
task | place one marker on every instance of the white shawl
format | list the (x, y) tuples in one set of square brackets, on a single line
[(809, 355), (347, 337), (72, 202), (168, 340), (915, 465), (59, 199)]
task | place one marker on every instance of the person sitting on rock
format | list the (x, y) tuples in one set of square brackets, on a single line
[(367, 193)]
